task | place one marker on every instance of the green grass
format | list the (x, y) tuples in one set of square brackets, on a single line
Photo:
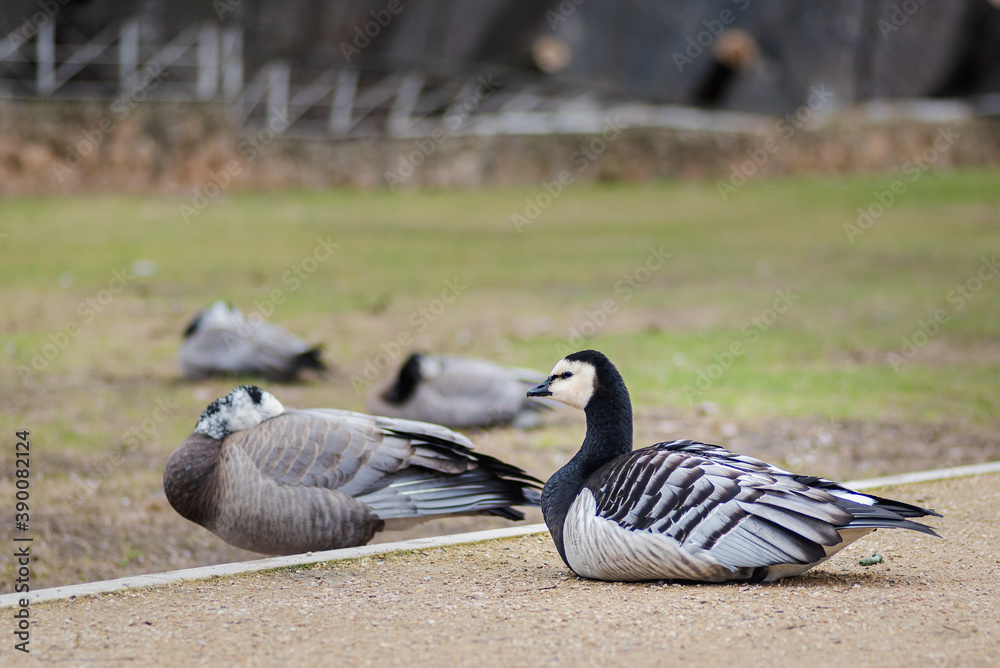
[(108, 407), (825, 356)]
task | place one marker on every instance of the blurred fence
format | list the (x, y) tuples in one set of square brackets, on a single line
[(205, 63), (70, 99)]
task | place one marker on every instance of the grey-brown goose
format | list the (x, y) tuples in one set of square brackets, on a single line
[(282, 481), (685, 510), (220, 341), (459, 392)]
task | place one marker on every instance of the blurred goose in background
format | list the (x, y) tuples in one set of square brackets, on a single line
[(220, 341), (284, 481), (459, 392), (685, 510)]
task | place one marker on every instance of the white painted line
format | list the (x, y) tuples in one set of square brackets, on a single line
[(70, 591), (925, 476), (135, 581)]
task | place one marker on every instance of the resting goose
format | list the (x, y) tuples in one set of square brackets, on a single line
[(685, 510), (283, 481), (459, 392), (220, 341)]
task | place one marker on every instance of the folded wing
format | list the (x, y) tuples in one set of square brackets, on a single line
[(398, 468), (737, 510)]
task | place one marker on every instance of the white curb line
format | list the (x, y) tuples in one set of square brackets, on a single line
[(239, 567), (925, 476), (135, 581)]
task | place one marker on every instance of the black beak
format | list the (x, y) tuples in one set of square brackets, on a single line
[(541, 390)]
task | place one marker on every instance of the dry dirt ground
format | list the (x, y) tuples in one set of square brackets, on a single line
[(127, 527), (513, 603)]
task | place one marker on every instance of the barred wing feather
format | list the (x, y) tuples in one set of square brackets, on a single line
[(739, 510)]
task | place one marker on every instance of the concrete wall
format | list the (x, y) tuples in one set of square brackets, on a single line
[(52, 148)]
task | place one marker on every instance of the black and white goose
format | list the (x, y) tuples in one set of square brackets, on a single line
[(220, 341), (282, 481), (459, 392), (685, 510)]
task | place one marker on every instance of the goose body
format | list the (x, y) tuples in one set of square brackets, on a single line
[(220, 341), (685, 510), (459, 392), (280, 481)]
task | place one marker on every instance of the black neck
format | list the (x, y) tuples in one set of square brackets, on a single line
[(609, 435), (609, 427), (192, 326), (406, 382)]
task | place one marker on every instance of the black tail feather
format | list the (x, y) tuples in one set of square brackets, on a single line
[(310, 360), (508, 483), (886, 514)]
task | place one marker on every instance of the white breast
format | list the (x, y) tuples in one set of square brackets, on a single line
[(601, 549)]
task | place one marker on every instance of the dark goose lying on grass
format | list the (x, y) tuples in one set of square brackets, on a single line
[(220, 341), (685, 510), (460, 392), (282, 481)]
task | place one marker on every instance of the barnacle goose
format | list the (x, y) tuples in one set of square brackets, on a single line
[(685, 510), (220, 341), (283, 481), (459, 392)]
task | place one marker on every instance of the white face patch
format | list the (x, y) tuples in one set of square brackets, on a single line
[(220, 315), (430, 367), (237, 411), (574, 389)]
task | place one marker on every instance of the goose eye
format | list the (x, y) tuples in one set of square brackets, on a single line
[(567, 374)]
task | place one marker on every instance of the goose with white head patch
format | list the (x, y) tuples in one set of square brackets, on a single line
[(684, 510), (220, 341), (459, 392), (285, 481)]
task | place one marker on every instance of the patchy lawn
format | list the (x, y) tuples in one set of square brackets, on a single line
[(772, 323)]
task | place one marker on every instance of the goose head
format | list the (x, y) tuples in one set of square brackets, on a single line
[(416, 368), (431, 367), (575, 379), (220, 315), (589, 381), (243, 408)]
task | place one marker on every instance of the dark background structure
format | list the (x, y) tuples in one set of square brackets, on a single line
[(632, 49)]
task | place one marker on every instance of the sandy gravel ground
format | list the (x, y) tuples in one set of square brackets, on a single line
[(513, 603)]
